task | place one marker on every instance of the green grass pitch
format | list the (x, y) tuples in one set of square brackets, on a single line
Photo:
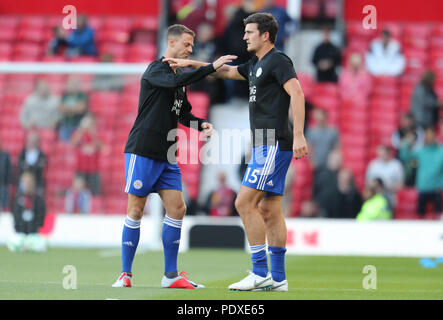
[(40, 276)]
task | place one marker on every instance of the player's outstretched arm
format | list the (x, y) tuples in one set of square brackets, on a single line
[(297, 104), (223, 70), (159, 77), (228, 72)]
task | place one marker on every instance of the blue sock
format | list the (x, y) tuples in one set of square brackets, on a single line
[(171, 233), (130, 237), (277, 256), (259, 260)]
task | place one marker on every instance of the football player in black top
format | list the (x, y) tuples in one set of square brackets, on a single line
[(149, 164), (273, 90)]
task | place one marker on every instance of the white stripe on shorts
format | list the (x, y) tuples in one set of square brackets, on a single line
[(268, 167), (268, 157), (130, 172)]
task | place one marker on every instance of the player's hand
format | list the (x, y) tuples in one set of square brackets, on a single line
[(223, 60), (299, 147), (207, 130)]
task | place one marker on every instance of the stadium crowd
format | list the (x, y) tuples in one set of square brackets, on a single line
[(352, 85)]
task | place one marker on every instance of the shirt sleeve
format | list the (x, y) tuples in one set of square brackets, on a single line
[(283, 69), (159, 75), (243, 69)]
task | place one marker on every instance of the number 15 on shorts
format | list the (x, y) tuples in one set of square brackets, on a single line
[(253, 177)]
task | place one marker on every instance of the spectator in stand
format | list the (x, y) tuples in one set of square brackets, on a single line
[(286, 25), (355, 83), (388, 169), (429, 179), (81, 41), (322, 139), (32, 159), (220, 202), (40, 108), (232, 43), (325, 181), (384, 57), (58, 44), (424, 101), (408, 127), (78, 197), (87, 144), (205, 49), (347, 201), (29, 210), (73, 107), (5, 178), (375, 206), (193, 14), (408, 131), (326, 58)]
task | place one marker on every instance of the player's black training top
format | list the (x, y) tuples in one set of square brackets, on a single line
[(162, 102), (268, 100)]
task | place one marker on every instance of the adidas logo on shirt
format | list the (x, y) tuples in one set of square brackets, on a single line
[(270, 183)]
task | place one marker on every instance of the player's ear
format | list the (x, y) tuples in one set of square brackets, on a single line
[(171, 42), (265, 36)]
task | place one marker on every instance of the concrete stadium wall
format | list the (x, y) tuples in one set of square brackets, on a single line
[(305, 236)]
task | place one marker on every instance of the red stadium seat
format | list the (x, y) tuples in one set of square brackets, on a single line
[(33, 22), (331, 8), (9, 21), (95, 22), (355, 29), (142, 52), (28, 49), (7, 35), (310, 8), (30, 35), (200, 103), (306, 83), (112, 35), (117, 23), (406, 207), (146, 23), (117, 50)]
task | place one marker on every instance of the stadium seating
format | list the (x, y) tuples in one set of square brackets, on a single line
[(362, 125)]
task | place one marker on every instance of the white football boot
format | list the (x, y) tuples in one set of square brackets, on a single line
[(280, 286), (180, 282), (123, 281), (253, 282)]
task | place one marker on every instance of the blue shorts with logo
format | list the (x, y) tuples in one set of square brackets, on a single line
[(145, 175), (267, 169)]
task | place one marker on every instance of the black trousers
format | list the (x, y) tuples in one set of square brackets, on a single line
[(425, 197)]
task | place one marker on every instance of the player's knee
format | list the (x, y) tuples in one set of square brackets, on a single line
[(265, 211), (135, 213), (177, 211), (241, 205)]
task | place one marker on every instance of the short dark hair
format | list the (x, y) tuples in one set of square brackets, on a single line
[(265, 23), (176, 30)]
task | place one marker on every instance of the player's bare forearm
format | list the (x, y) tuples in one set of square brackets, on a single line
[(228, 72), (224, 72), (298, 112), (297, 105)]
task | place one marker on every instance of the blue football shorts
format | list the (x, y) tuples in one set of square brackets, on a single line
[(267, 169), (145, 175)]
